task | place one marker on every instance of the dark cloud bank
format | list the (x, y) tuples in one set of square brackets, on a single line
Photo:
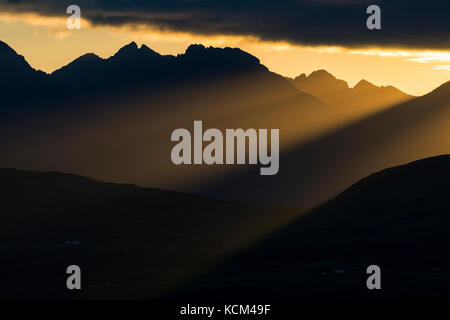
[(405, 23)]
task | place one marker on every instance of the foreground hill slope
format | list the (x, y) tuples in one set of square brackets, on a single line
[(128, 241), (134, 242), (398, 219)]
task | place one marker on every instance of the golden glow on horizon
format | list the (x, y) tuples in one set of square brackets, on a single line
[(48, 45)]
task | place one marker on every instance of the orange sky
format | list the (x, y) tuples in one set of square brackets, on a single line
[(47, 44)]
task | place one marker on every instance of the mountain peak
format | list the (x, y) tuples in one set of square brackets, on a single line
[(80, 64), (320, 83), (322, 74), (129, 49), (364, 84), (131, 46), (132, 51), (88, 57), (194, 49), (220, 58), (301, 77), (323, 77)]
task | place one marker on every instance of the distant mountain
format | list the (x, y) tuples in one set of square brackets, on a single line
[(390, 93), (397, 218), (316, 170), (129, 241), (321, 84), (364, 94)]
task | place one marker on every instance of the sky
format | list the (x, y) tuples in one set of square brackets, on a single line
[(289, 37)]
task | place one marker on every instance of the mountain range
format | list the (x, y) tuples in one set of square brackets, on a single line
[(135, 68), (131, 69), (112, 118)]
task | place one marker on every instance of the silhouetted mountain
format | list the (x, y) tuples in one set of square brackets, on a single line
[(134, 67), (135, 70), (397, 218), (364, 94), (129, 241)]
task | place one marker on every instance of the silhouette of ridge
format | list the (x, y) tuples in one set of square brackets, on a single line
[(130, 69)]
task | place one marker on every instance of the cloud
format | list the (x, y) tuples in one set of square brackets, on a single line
[(405, 23)]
